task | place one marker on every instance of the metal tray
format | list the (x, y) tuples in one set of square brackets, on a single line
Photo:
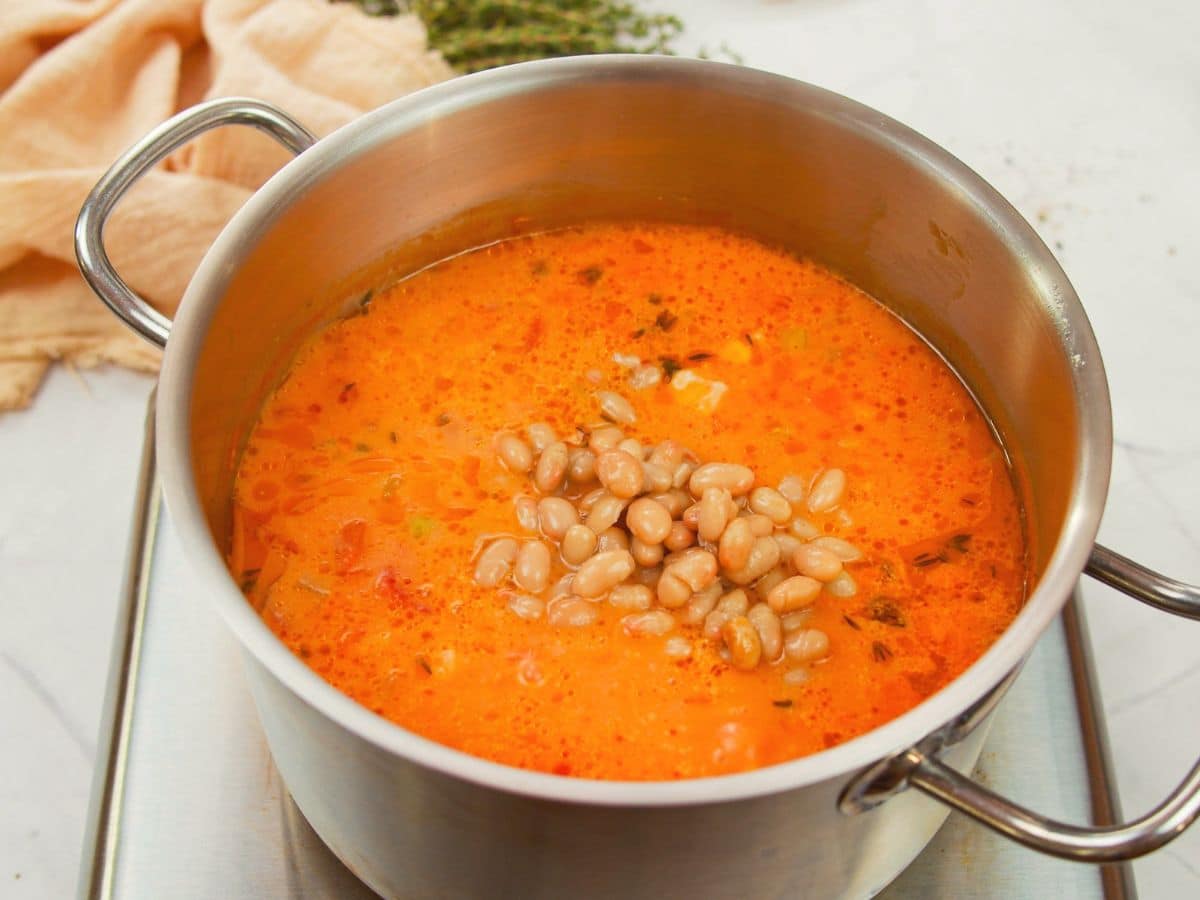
[(187, 803)]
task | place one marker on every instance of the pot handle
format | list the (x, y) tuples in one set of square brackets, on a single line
[(920, 768), (172, 134)]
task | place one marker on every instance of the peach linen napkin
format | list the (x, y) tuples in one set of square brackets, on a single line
[(81, 80)]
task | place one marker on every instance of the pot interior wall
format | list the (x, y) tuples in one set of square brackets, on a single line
[(781, 161)]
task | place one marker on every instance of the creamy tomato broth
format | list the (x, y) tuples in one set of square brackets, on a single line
[(387, 506)]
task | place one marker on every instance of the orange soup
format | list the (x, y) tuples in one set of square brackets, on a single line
[(628, 501)]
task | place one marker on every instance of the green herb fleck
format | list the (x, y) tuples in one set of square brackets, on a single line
[(591, 274), (880, 651), (699, 357), (365, 303), (249, 580), (539, 268), (885, 611), (666, 320), (637, 334), (655, 299), (421, 526), (782, 704), (392, 437), (670, 366), (423, 662), (362, 448), (443, 419), (849, 621)]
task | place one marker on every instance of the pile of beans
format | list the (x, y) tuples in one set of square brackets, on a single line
[(687, 549)]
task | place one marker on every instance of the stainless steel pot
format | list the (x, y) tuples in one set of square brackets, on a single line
[(547, 144)]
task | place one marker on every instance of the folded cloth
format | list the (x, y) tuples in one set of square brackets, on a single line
[(81, 80)]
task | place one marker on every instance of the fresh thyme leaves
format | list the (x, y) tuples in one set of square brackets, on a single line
[(479, 34), (887, 612), (249, 580), (655, 299), (423, 662), (670, 366), (591, 274), (699, 357), (782, 704), (666, 320), (880, 651), (849, 621), (957, 545)]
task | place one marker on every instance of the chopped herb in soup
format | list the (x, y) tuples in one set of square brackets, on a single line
[(628, 502)]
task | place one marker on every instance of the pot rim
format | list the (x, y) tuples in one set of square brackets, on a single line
[(1063, 569)]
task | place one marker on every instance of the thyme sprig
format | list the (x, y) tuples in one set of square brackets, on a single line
[(480, 34)]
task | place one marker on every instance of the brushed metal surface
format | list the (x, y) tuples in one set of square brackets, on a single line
[(204, 813)]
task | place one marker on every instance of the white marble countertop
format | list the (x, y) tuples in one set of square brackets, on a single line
[(1084, 113)]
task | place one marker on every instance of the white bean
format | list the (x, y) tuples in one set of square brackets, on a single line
[(646, 555), (495, 562), (804, 529), (620, 472), (636, 597), (736, 542), (648, 520), (581, 465), (603, 572), (616, 408), (772, 504), (655, 478), (700, 605), (736, 603), (673, 592), (792, 487), (605, 437), (555, 516), (578, 544), (806, 645), (770, 631), (816, 562), (714, 513), (668, 455), (763, 557), (633, 447), (741, 637), (604, 512), (514, 453), (532, 570), (612, 539), (827, 490), (732, 477), (571, 612), (679, 537), (766, 583), (655, 621), (526, 607), (527, 512), (844, 550), (697, 569), (541, 436), (793, 593), (843, 586), (551, 468), (677, 647)]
